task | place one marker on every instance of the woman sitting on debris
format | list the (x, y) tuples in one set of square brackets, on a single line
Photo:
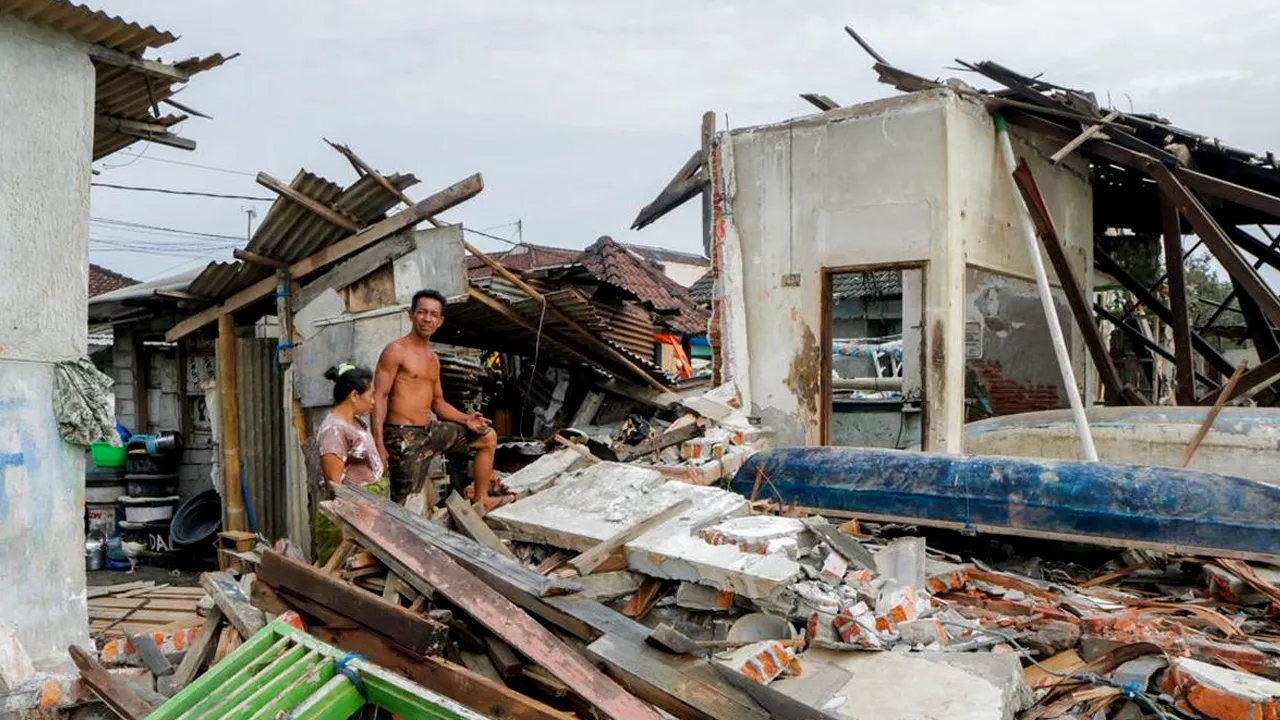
[(347, 451)]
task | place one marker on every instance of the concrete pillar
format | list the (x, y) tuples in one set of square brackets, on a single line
[(46, 144)]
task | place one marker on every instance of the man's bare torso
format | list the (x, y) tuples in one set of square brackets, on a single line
[(413, 391)]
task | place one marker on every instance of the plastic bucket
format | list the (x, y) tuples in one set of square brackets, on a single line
[(106, 455), (197, 520)]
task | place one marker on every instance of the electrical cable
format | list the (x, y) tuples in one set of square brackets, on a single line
[(179, 162), (1130, 691), (537, 346), (112, 222), (181, 192)]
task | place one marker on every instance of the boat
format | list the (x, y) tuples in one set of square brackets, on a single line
[(1243, 442), (1156, 508)]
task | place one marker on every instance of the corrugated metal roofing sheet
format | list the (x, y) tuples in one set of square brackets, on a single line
[(88, 25), (122, 93), (290, 232)]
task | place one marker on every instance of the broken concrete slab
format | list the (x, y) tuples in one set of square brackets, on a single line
[(761, 534), (543, 472), (595, 504), (909, 686)]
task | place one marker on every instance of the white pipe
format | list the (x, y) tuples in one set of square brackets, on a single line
[(1046, 300)]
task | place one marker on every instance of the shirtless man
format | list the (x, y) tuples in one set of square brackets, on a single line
[(412, 423)]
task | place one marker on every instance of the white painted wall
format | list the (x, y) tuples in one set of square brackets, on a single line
[(46, 136), (913, 179), (683, 273)]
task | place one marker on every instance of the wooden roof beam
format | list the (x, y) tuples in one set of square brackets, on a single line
[(116, 58), (328, 214)]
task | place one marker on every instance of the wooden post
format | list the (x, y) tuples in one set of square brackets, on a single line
[(1185, 371), (232, 498)]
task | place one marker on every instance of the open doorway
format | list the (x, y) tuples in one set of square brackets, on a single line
[(872, 389)]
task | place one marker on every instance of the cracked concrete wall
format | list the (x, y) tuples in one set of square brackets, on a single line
[(46, 141), (909, 180)]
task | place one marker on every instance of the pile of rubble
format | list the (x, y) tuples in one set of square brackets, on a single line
[(636, 588)]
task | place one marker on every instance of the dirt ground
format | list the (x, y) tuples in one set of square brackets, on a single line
[(142, 573)]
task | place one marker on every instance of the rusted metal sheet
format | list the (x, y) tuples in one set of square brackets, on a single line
[(290, 232), (87, 25), (428, 568), (260, 387)]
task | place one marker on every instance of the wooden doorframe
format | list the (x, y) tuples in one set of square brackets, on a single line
[(827, 311)]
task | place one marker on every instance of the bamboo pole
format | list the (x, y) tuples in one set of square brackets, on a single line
[(232, 497)]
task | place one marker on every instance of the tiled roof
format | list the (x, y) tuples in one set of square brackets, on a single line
[(700, 291), (102, 280), (522, 257), (615, 265), (880, 283)]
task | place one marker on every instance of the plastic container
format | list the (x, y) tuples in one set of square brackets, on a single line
[(151, 485), (103, 485), (106, 455), (140, 463), (102, 517), (197, 520), (147, 509)]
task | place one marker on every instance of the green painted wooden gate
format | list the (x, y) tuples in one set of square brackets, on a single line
[(282, 672)]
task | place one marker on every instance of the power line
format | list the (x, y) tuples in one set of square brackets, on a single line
[(182, 192), (175, 231), (508, 241), (211, 168)]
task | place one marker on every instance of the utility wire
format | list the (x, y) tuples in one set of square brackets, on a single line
[(126, 224), (508, 241), (182, 192), (211, 168)]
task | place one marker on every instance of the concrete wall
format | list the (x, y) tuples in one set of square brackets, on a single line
[(685, 274), (46, 137), (910, 180)]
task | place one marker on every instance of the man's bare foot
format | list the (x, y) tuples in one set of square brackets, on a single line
[(497, 501)]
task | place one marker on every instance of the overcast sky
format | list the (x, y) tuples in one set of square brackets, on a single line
[(577, 113)]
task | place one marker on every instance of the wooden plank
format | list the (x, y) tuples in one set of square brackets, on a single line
[(567, 345), (686, 688), (1077, 299), (504, 658), (1219, 188), (142, 615), (154, 132), (591, 559), (228, 596), (224, 644), (413, 631), (429, 568), (472, 526), (1223, 398), (1262, 375), (152, 68), (199, 651), (1145, 341), (1088, 134), (437, 203), (114, 691), (349, 271), (1217, 241), (105, 590), (554, 561), (1185, 370), (642, 600), (1260, 331), (475, 691), (256, 259), (663, 441), (339, 556), (173, 604), (844, 545), (326, 213), (481, 665), (820, 101)]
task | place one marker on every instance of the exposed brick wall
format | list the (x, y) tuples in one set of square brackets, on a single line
[(1008, 396)]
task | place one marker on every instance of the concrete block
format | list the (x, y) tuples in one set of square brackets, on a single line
[(902, 562), (834, 568), (909, 686), (692, 596), (1222, 694), (543, 472), (603, 587), (762, 662)]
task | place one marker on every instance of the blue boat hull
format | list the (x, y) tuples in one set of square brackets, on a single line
[(1127, 505)]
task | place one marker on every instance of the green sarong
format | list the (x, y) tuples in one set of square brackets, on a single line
[(329, 536)]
